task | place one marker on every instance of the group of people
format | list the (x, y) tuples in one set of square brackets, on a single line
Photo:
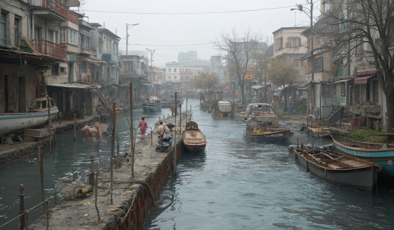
[(161, 130), (291, 109)]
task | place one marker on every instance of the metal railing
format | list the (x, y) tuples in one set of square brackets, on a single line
[(50, 48)]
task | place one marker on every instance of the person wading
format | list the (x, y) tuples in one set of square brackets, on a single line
[(143, 125)]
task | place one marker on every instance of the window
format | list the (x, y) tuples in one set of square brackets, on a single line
[(360, 47), (175, 77), (73, 37), (169, 77), (85, 42), (341, 71), (3, 29), (326, 6), (63, 35), (293, 42), (55, 69), (169, 69), (16, 34), (174, 70), (129, 66), (278, 43), (115, 48), (319, 64), (302, 64), (375, 91), (51, 36), (343, 91)]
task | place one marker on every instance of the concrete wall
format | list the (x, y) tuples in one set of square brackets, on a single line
[(16, 9), (13, 73)]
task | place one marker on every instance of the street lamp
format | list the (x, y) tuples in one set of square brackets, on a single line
[(309, 13), (127, 35)]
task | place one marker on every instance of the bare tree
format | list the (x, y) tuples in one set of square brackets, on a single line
[(281, 73), (350, 24), (239, 52)]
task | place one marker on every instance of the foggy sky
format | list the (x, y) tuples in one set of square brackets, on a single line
[(165, 33)]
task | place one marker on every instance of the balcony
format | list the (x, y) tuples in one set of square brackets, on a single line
[(54, 10), (50, 48)]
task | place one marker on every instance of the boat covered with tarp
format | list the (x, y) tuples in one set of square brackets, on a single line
[(193, 139)]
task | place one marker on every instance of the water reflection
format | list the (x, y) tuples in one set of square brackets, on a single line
[(248, 185)]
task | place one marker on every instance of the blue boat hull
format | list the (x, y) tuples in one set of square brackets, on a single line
[(151, 109), (382, 157)]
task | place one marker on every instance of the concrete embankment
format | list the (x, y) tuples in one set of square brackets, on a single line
[(17, 150), (132, 196)]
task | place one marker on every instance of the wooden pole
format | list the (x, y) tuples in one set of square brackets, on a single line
[(21, 206), (131, 130), (49, 124), (175, 140), (75, 125), (95, 189), (41, 173), (112, 148)]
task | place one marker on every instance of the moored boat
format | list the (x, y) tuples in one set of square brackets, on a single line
[(152, 105), (222, 110), (338, 168), (36, 116), (193, 139), (268, 135), (319, 131), (379, 153)]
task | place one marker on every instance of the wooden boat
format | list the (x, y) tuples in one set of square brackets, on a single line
[(206, 105), (165, 103), (193, 139), (267, 135), (36, 116), (152, 106), (319, 132), (261, 112), (222, 110), (379, 153), (338, 168)]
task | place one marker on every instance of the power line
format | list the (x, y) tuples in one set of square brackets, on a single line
[(188, 13), (201, 44)]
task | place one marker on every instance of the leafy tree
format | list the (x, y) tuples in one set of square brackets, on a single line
[(206, 81), (282, 74)]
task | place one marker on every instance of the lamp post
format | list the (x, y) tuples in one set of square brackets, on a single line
[(127, 35), (309, 13)]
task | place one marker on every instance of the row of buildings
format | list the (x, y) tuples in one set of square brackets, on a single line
[(47, 48), (331, 82)]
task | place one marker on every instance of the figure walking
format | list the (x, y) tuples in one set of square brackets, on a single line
[(143, 125), (290, 109)]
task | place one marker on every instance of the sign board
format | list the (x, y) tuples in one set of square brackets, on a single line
[(249, 76), (86, 33)]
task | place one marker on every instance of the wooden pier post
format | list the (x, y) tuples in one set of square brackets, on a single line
[(175, 140), (41, 173), (75, 125), (131, 130), (21, 206), (49, 124), (112, 149)]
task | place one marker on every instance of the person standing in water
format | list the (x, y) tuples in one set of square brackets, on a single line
[(143, 125)]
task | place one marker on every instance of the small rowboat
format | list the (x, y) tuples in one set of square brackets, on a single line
[(319, 132), (270, 135), (338, 168), (379, 153), (193, 139)]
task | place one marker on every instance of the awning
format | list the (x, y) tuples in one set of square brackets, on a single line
[(305, 87), (74, 86), (366, 72), (93, 61), (343, 80), (258, 86), (335, 59), (305, 57), (361, 80)]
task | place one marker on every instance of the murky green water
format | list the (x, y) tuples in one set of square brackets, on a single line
[(235, 184)]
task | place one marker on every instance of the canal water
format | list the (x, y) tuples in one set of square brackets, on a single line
[(234, 184)]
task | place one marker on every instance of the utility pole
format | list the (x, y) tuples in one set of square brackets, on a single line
[(127, 35), (151, 60), (309, 13)]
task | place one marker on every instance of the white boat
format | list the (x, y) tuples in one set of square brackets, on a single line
[(37, 115)]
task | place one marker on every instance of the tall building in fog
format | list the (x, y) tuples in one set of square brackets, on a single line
[(187, 57)]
